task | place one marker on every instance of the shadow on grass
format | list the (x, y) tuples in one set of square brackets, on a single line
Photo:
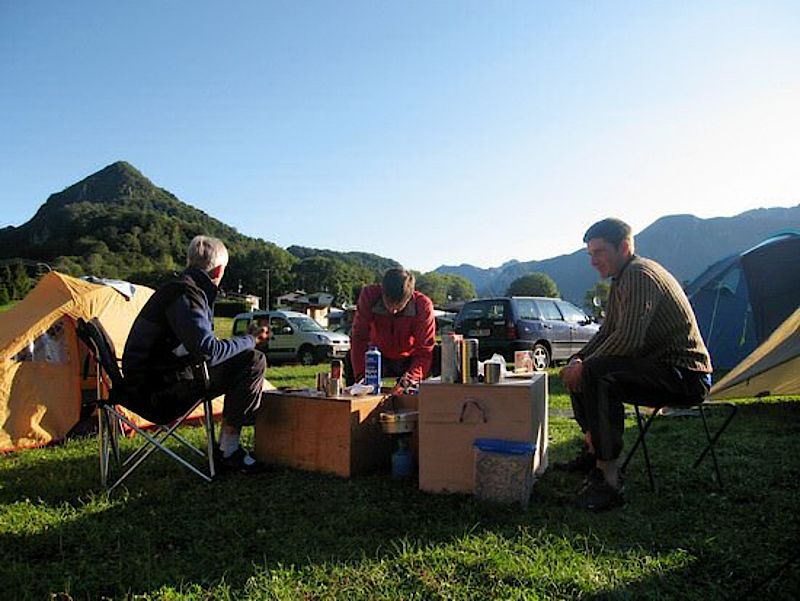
[(169, 529)]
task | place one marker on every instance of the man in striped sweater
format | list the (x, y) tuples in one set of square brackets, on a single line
[(649, 349)]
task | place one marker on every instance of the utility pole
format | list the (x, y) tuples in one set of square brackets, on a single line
[(266, 298)]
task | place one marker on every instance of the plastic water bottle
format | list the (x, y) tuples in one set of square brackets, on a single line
[(372, 373)]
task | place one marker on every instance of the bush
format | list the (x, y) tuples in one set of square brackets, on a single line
[(227, 308)]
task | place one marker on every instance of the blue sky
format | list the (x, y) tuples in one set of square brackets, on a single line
[(429, 132)]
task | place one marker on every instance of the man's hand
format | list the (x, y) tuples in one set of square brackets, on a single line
[(571, 375), (400, 388), (260, 333)]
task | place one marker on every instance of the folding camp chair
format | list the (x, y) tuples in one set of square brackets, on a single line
[(702, 406), (111, 419)]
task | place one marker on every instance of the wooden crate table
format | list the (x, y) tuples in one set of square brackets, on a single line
[(338, 435), (452, 416)]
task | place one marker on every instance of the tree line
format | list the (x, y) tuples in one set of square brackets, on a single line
[(248, 273)]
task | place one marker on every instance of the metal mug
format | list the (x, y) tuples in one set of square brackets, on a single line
[(334, 387), (322, 382), (491, 373)]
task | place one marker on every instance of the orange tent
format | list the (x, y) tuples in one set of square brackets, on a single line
[(41, 360)]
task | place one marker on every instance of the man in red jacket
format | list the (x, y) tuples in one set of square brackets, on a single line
[(399, 321)]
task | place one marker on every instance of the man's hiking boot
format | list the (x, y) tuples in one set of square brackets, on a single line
[(583, 463), (597, 494)]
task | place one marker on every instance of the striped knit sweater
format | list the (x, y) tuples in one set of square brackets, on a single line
[(649, 316)]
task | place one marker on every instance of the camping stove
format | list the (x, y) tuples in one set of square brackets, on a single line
[(400, 425)]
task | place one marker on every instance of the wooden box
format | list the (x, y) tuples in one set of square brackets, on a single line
[(452, 416), (339, 435)]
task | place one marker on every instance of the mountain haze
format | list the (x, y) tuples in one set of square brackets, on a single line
[(684, 244), (116, 223)]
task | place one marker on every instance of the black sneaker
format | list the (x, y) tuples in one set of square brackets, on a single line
[(583, 463), (598, 495), (239, 462)]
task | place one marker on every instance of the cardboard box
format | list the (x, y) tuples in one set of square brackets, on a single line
[(452, 416), (340, 435)]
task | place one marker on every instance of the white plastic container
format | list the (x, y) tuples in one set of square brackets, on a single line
[(503, 471)]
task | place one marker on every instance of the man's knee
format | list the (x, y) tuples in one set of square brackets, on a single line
[(251, 360)]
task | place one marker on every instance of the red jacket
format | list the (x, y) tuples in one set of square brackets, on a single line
[(410, 333)]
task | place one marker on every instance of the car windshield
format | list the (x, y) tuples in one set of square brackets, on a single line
[(306, 324)]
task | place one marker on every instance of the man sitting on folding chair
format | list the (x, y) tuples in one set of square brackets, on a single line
[(173, 337), (649, 350)]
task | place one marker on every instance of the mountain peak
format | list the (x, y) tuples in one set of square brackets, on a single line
[(113, 183)]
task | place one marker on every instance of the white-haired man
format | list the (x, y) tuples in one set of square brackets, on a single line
[(173, 333)]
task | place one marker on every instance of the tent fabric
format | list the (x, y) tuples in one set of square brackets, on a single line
[(740, 300), (771, 369), (41, 360)]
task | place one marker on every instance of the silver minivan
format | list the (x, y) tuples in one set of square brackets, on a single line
[(294, 337)]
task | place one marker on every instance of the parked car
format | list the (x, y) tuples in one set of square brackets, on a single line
[(294, 337), (552, 328)]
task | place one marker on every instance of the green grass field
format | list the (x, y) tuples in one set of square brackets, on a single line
[(294, 535)]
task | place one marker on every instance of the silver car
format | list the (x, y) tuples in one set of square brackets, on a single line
[(294, 337)]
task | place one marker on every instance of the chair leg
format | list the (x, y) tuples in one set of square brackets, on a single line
[(644, 426), (103, 444), (208, 422), (712, 440), (155, 442)]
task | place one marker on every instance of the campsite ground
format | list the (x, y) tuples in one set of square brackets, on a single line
[(290, 535)]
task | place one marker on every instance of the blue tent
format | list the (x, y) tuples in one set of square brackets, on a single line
[(740, 300)]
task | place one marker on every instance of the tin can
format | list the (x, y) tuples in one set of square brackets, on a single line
[(469, 361), (336, 369), (322, 382)]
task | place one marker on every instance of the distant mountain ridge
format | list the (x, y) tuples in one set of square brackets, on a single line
[(684, 244), (117, 223)]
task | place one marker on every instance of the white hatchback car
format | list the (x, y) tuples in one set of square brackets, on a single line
[(294, 337)]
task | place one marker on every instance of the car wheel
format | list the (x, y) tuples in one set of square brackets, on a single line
[(541, 357), (307, 355)]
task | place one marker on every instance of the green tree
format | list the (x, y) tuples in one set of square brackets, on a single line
[(434, 286), (459, 288), (443, 288), (20, 281), (250, 262), (324, 273), (533, 284), (5, 284)]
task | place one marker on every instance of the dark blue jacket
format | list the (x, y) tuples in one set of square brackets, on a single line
[(174, 330)]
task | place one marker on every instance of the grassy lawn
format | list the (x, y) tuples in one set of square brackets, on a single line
[(294, 535)]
